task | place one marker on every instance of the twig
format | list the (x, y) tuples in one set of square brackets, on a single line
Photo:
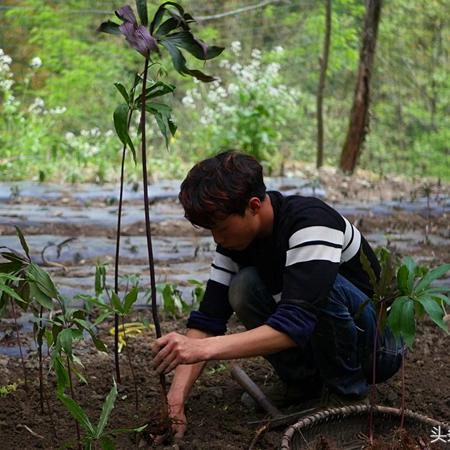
[(258, 434), (21, 425), (16, 326)]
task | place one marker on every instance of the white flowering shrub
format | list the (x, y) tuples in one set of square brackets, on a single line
[(33, 143), (248, 109)]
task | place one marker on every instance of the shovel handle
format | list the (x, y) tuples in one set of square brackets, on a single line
[(253, 390)]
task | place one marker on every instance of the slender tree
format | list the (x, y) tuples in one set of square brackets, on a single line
[(359, 116), (323, 73)]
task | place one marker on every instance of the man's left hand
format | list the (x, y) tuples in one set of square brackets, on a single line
[(173, 349)]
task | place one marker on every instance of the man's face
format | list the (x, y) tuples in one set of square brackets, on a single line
[(236, 232)]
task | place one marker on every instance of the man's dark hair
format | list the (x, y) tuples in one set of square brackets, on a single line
[(220, 186)]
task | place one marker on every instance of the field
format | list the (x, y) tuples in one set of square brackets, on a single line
[(392, 213)]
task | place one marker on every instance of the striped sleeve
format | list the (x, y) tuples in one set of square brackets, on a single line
[(313, 255), (215, 310)]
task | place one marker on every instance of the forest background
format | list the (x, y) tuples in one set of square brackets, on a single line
[(57, 94)]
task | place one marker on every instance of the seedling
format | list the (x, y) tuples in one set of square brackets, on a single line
[(96, 434), (174, 35)]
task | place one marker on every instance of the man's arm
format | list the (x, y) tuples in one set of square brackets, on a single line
[(174, 349)]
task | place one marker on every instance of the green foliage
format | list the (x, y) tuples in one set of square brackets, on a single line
[(96, 433), (408, 288), (52, 119), (7, 389), (173, 304), (250, 109), (417, 298)]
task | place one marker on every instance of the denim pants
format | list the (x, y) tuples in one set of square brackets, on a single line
[(340, 351)]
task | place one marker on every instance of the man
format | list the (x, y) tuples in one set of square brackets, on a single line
[(290, 268)]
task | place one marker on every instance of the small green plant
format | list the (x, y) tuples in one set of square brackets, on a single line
[(404, 294), (96, 434), (7, 389), (418, 298)]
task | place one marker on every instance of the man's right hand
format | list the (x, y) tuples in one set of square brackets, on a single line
[(179, 421)]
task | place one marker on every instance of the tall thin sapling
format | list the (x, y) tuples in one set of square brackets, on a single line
[(173, 34)]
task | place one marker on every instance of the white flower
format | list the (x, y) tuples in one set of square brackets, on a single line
[(187, 100), (233, 88), (94, 132), (236, 47), (279, 49), (273, 69), (224, 63), (36, 62), (37, 106), (69, 136), (236, 68), (256, 53), (6, 84), (58, 110), (84, 133), (109, 133)]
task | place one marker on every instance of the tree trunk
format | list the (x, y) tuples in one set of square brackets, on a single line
[(359, 116), (321, 88)]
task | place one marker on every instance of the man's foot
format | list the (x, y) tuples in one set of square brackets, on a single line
[(283, 395), (332, 399)]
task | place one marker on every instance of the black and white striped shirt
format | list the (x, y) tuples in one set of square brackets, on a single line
[(310, 244)]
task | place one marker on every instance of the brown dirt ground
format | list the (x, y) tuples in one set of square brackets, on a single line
[(217, 418)]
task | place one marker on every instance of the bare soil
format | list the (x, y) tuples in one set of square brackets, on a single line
[(217, 418)]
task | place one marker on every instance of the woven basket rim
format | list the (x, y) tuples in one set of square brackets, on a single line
[(342, 412)]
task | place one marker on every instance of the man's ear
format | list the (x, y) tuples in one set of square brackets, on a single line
[(254, 204)]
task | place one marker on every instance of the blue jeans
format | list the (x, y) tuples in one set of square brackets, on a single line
[(340, 350)]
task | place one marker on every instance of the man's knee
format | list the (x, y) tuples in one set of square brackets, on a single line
[(241, 287)]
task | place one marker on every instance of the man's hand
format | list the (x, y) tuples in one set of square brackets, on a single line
[(174, 349), (179, 422)]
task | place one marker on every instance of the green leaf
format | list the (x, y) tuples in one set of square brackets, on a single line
[(23, 242), (432, 275), (107, 443), (141, 6), (162, 113), (62, 377), (10, 267), (369, 270), (65, 338), (434, 310), (37, 295), (195, 47), (441, 297), (130, 299), (121, 125), (116, 303), (179, 62), (77, 412), (402, 321), (402, 279), (11, 293), (121, 88), (106, 410), (412, 271), (42, 279), (158, 89), (109, 27), (157, 18)]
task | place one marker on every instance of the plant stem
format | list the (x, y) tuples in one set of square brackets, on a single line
[(162, 378), (16, 326), (374, 374), (127, 351), (402, 421), (41, 378), (72, 394), (116, 263)]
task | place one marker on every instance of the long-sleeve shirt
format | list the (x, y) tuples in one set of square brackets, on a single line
[(309, 245)]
